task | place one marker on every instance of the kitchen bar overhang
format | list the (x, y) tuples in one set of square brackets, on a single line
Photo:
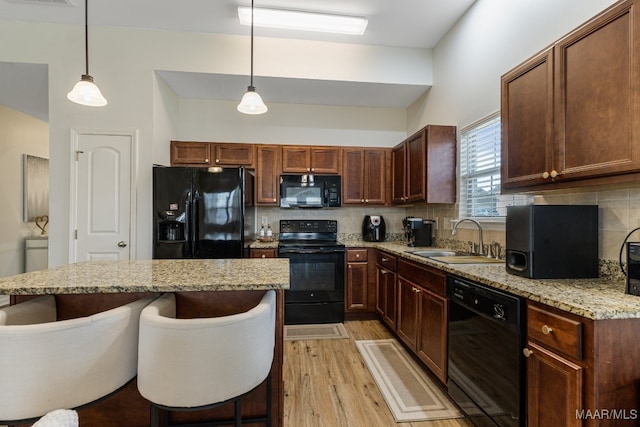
[(203, 288)]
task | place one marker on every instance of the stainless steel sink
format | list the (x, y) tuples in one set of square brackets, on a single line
[(455, 257), (438, 252)]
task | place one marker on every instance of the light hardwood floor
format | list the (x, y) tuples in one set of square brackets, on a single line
[(326, 384)]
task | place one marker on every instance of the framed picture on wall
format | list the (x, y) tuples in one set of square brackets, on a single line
[(35, 191)]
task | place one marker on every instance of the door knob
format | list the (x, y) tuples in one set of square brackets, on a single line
[(122, 244)]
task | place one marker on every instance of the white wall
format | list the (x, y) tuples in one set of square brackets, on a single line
[(21, 134), (123, 62), (292, 124)]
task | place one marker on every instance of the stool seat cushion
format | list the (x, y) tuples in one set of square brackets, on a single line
[(65, 364), (189, 363)]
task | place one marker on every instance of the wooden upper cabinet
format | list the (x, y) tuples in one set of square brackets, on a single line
[(572, 113), (399, 174), (598, 96), (527, 122), (305, 159), (233, 154), (190, 153), (429, 166), (364, 177), (194, 153), (268, 162)]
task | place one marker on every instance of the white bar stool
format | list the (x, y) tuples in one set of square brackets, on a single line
[(198, 364), (47, 364)]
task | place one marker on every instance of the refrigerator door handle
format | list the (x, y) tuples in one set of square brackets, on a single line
[(195, 231)]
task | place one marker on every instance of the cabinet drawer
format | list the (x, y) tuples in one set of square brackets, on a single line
[(387, 261), (430, 279), (263, 253), (556, 331), (356, 255)]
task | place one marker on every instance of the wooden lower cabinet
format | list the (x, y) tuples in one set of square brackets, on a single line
[(422, 314), (554, 388), (360, 285), (386, 288), (581, 372)]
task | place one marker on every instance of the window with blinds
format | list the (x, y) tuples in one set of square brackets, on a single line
[(480, 171)]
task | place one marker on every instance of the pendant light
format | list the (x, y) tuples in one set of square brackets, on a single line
[(251, 102), (85, 92)]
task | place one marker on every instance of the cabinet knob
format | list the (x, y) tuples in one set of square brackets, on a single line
[(263, 256), (546, 329), (553, 174), (217, 160), (545, 175), (366, 200), (527, 352), (383, 271), (357, 255), (206, 160), (361, 200), (122, 244), (384, 259), (274, 200)]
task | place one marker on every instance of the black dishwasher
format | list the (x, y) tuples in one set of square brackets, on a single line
[(486, 367)]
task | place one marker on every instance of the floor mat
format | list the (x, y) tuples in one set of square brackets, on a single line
[(409, 392)]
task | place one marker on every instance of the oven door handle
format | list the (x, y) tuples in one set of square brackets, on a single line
[(309, 251)]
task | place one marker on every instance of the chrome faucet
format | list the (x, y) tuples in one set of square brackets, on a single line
[(479, 249)]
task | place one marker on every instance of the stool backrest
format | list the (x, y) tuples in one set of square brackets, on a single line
[(65, 364), (197, 362)]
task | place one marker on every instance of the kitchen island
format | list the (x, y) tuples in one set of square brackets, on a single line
[(203, 288)]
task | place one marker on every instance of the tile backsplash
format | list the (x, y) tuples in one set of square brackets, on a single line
[(619, 213)]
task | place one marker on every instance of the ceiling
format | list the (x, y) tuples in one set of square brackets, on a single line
[(399, 23)]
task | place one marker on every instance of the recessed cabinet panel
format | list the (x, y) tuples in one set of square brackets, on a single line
[(233, 155), (190, 153), (527, 122), (268, 161), (597, 83), (364, 177), (311, 159)]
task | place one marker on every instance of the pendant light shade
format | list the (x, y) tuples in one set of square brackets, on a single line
[(85, 92), (251, 102)]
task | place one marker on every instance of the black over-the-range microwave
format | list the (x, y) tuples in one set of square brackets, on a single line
[(310, 191)]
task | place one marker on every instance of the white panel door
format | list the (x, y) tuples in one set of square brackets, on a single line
[(103, 197)]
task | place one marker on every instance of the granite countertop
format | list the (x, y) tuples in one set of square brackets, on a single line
[(152, 276), (595, 299)]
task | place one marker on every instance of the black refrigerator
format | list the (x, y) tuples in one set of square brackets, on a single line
[(201, 212)]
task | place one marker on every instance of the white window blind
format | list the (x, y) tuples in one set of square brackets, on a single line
[(480, 171)]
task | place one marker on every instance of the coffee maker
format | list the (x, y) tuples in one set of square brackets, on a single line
[(373, 228), (418, 231)]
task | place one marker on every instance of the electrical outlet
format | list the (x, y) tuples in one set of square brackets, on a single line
[(265, 220), (435, 220)]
